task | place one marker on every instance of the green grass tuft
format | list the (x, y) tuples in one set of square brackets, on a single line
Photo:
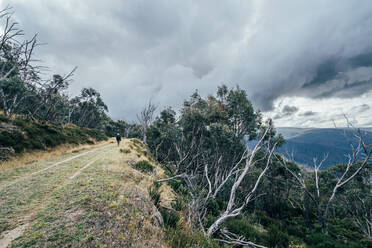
[(144, 166), (155, 195), (170, 217)]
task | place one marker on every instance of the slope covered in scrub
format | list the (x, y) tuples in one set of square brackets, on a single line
[(20, 134)]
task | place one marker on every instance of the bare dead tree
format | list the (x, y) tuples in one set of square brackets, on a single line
[(352, 163), (50, 91), (16, 57), (300, 178), (240, 173), (361, 212), (353, 167), (146, 117), (19, 52), (215, 178)]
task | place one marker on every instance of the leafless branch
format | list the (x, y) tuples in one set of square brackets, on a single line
[(234, 239), (232, 210), (146, 117), (346, 176)]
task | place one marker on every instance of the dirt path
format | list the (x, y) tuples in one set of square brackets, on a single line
[(49, 167), (22, 198), (93, 197), (12, 235)]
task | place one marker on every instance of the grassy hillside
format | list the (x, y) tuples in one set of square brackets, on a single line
[(20, 134)]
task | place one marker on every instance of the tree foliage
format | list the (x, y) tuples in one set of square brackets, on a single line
[(203, 148), (23, 91)]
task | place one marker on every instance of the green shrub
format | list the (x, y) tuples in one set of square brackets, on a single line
[(144, 166), (213, 207), (3, 118), (36, 135), (210, 220), (126, 151), (175, 184), (181, 238), (366, 242), (277, 238), (5, 153), (170, 217), (155, 195), (179, 204), (179, 187), (344, 229), (137, 142), (317, 239), (242, 227), (297, 231), (20, 122), (263, 218), (95, 134)]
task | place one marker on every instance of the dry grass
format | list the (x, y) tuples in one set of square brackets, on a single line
[(106, 205), (167, 194), (103, 207), (36, 156)]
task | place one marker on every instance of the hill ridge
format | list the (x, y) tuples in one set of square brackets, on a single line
[(309, 143)]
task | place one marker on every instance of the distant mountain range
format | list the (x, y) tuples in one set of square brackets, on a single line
[(307, 143)]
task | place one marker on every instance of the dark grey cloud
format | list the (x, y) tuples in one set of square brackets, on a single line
[(361, 108), (308, 113), (135, 50), (333, 78), (287, 111)]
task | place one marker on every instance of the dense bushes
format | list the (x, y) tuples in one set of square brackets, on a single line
[(179, 236), (183, 238), (23, 134), (244, 228)]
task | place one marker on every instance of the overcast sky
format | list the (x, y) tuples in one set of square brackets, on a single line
[(303, 63)]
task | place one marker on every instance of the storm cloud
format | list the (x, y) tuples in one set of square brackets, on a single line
[(308, 113), (286, 111), (132, 51)]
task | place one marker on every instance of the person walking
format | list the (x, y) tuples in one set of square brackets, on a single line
[(118, 138)]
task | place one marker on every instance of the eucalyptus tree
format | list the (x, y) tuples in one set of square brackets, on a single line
[(205, 147), (52, 103), (162, 135), (91, 109)]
